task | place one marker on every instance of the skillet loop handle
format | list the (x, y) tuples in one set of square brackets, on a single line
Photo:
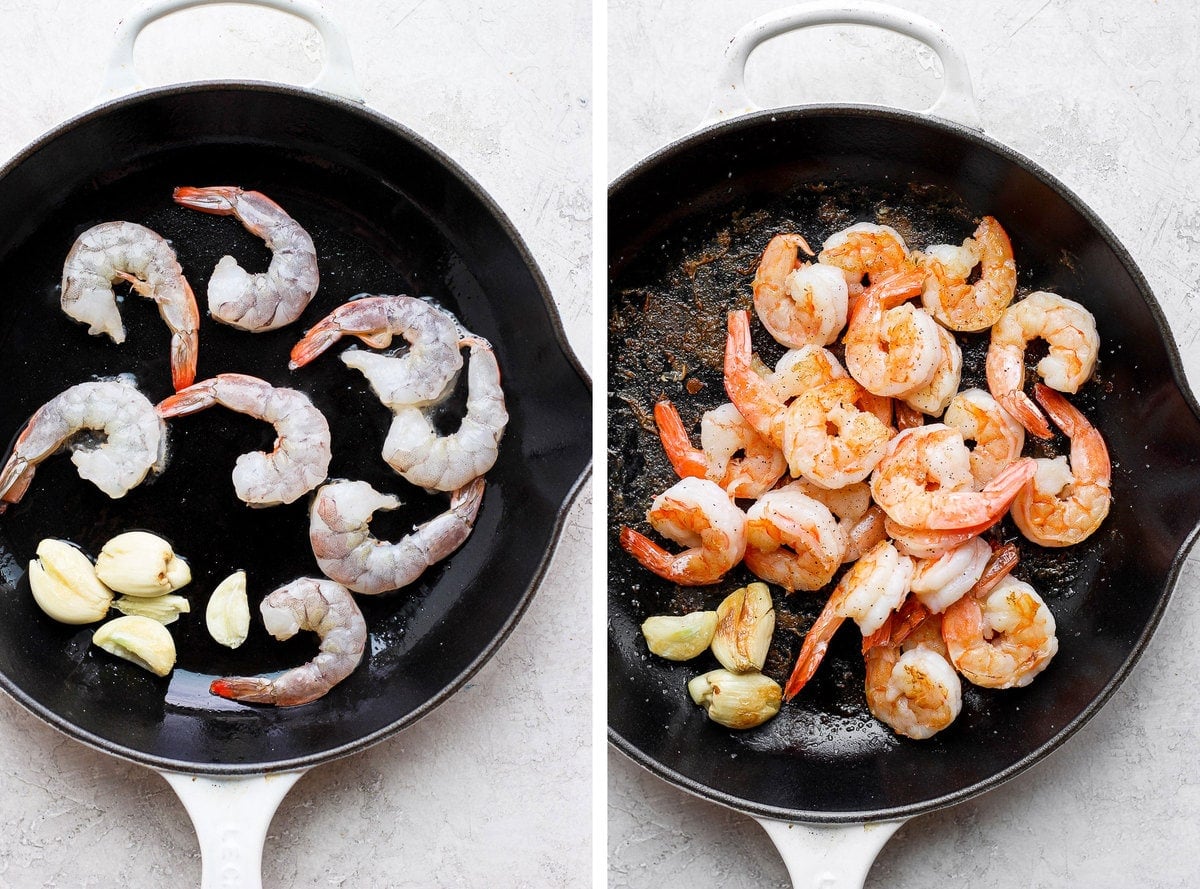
[(231, 814), (828, 856), (956, 103), (337, 69)]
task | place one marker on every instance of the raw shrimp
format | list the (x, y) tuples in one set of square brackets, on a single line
[(1069, 329), (793, 540), (125, 251), (934, 396), (327, 609), (1003, 640), (997, 436), (420, 376), (798, 306), (924, 481), (967, 307), (1066, 501), (348, 553), (940, 582), (830, 439), (724, 433), (269, 299), (892, 347), (300, 459), (697, 514), (133, 441), (911, 687), (868, 592), (448, 462), (866, 249)]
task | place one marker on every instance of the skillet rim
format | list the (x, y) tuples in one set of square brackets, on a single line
[(394, 129), (980, 139)]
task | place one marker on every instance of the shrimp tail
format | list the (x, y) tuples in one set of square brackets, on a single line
[(320, 337), (184, 347), (217, 199), (1026, 413), (465, 501), (15, 478), (811, 654), (252, 689), (1065, 415), (647, 552), (687, 461), (188, 400)]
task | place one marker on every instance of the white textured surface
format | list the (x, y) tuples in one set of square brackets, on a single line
[(1102, 94), (491, 788)]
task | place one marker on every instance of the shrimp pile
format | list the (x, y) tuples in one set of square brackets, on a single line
[(859, 469)]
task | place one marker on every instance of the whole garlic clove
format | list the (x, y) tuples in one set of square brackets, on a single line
[(164, 609), (228, 611), (65, 585), (682, 637), (139, 563), (737, 700), (140, 640), (745, 622)]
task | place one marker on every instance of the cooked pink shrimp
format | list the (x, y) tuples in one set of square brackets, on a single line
[(892, 347), (940, 582), (752, 392), (696, 514), (126, 251), (1065, 502), (923, 543), (799, 370), (300, 459), (1002, 640), (868, 592), (911, 686), (962, 306), (724, 433), (924, 481), (133, 439), (1070, 331), (830, 439), (327, 609), (866, 249), (799, 306), (793, 540), (862, 522), (420, 376), (998, 438), (934, 396), (269, 299), (341, 539)]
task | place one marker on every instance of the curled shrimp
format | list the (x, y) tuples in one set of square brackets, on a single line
[(911, 686), (793, 540), (1070, 331), (698, 515), (125, 251), (923, 543), (969, 307), (924, 481), (133, 441), (799, 370), (892, 347), (868, 592), (300, 459), (1065, 502), (448, 462), (1002, 640), (866, 250), (266, 300), (831, 437), (798, 306), (997, 437), (860, 520), (752, 392), (724, 433), (327, 609), (934, 396), (348, 553), (418, 377), (940, 582)]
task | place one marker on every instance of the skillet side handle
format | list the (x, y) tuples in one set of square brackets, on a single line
[(956, 103), (231, 814), (828, 856), (337, 69)]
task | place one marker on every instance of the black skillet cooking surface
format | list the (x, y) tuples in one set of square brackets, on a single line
[(388, 214), (687, 228)]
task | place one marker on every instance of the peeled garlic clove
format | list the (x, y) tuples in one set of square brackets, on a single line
[(228, 611), (65, 585), (680, 638), (745, 622), (164, 609), (138, 563), (141, 640), (737, 700)]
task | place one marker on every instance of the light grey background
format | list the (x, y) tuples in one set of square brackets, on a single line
[(1103, 95), (493, 788)]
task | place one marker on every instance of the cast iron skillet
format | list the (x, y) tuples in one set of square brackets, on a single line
[(686, 228)]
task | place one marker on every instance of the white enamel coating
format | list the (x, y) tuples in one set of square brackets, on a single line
[(231, 814), (956, 102), (337, 69), (829, 856)]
